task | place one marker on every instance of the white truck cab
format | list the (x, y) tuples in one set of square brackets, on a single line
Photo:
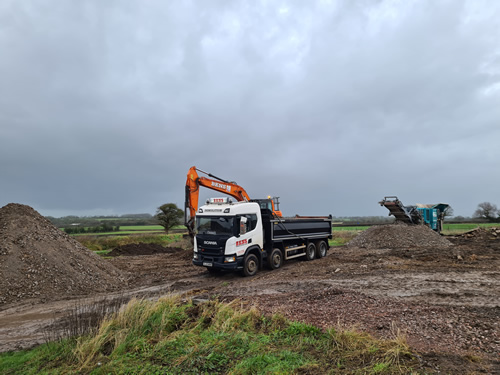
[(227, 234)]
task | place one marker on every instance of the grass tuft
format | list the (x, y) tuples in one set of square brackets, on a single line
[(102, 245), (173, 336)]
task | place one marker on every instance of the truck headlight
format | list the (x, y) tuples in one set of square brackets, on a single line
[(230, 259), (195, 256)]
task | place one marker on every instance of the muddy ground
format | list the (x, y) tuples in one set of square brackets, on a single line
[(445, 301)]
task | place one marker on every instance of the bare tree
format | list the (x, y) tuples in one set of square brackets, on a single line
[(448, 212), (486, 210)]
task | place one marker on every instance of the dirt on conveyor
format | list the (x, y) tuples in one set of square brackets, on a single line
[(40, 262)]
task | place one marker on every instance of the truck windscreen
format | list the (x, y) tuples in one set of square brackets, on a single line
[(215, 225)]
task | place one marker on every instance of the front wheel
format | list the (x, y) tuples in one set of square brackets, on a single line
[(311, 251), (275, 260), (251, 265)]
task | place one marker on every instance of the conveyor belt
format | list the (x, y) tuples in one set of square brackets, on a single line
[(408, 215)]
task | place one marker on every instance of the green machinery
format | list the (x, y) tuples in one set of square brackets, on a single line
[(431, 215)]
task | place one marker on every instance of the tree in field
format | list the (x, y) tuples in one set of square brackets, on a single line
[(448, 212), (486, 210), (169, 215)]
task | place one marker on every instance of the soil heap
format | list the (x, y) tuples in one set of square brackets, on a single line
[(143, 249), (399, 235), (37, 260)]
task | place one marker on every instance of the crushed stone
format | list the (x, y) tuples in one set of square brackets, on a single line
[(398, 235), (39, 261)]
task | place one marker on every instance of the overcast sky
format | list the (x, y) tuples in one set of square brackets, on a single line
[(330, 105)]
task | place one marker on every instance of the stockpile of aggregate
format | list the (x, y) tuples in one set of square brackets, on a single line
[(37, 260), (398, 235), (142, 249)]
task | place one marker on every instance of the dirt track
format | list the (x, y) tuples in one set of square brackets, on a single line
[(445, 301)]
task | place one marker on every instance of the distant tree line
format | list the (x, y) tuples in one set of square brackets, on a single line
[(96, 221), (106, 227)]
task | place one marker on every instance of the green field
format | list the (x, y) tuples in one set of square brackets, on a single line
[(133, 229), (361, 227), (103, 244), (464, 227), (143, 228)]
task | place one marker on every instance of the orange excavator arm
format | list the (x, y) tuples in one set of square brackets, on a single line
[(193, 184)]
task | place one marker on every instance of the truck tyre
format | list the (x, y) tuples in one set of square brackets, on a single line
[(251, 265), (311, 251), (321, 249), (275, 260)]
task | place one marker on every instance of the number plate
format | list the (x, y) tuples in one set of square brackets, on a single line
[(208, 264)]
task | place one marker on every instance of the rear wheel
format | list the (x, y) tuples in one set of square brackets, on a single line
[(311, 251), (321, 249), (251, 265), (275, 260)]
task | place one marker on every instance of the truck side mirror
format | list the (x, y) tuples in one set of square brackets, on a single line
[(243, 225)]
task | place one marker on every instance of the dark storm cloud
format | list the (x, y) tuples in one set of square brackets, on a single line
[(331, 105)]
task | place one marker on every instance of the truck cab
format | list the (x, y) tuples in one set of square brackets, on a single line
[(228, 235)]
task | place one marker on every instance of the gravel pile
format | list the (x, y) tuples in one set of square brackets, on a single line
[(37, 260), (400, 235)]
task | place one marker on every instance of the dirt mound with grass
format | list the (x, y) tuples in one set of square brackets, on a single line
[(395, 236), (39, 261), (143, 249), (483, 233)]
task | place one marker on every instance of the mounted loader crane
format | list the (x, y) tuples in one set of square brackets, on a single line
[(431, 215), (243, 236), (193, 184)]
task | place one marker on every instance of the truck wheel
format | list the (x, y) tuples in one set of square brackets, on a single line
[(321, 249), (275, 260), (251, 265), (311, 251)]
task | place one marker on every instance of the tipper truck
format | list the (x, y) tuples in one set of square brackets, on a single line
[(243, 236)]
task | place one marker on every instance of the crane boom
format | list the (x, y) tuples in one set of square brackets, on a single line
[(193, 183)]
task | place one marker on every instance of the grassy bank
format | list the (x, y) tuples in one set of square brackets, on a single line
[(175, 337), (103, 244)]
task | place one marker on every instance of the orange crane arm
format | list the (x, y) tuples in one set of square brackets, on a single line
[(193, 184)]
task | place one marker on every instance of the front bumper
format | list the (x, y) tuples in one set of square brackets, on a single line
[(217, 262)]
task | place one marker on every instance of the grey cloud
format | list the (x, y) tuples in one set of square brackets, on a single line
[(331, 105)]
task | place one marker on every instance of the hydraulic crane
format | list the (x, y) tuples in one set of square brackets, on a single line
[(231, 188)]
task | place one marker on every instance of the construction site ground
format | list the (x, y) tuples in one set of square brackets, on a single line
[(446, 301)]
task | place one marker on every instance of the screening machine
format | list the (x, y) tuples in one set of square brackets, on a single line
[(431, 215)]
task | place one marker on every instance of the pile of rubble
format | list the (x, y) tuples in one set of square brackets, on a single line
[(492, 233), (37, 260), (399, 235)]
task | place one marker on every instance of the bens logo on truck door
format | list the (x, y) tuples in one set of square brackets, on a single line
[(242, 242), (221, 186)]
